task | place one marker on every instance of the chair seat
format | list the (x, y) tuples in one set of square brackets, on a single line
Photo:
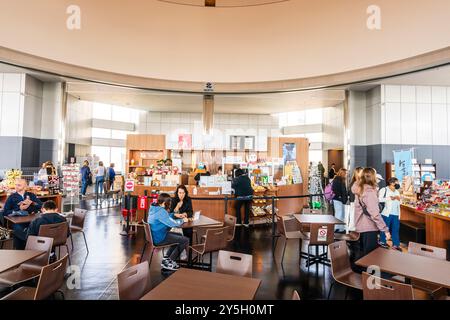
[(75, 229), (297, 235), (20, 274), (351, 279), (352, 236), (23, 293), (199, 248), (444, 298)]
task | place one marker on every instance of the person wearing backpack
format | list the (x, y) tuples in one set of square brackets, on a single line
[(340, 197), (368, 220), (391, 212)]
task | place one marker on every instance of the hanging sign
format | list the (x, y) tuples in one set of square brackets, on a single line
[(403, 164)]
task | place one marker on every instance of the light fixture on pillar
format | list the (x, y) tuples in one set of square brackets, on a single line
[(208, 114)]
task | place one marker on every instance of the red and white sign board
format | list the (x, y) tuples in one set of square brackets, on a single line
[(129, 185), (322, 235), (142, 203)]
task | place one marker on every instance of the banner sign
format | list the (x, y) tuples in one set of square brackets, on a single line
[(403, 164)]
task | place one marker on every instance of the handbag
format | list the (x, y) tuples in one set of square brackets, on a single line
[(5, 234)]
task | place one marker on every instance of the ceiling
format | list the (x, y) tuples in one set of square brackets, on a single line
[(230, 103), (439, 76), (222, 3)]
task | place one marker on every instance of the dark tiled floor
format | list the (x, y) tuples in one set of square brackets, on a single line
[(110, 253)]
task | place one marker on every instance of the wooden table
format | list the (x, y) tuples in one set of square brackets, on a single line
[(21, 219), (202, 221), (11, 258), (188, 284), (317, 218), (410, 266)]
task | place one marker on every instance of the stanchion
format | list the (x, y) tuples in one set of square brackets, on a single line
[(127, 231)]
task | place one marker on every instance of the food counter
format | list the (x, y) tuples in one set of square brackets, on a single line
[(437, 226), (215, 209)]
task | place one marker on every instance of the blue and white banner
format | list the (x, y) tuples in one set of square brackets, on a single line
[(403, 164)]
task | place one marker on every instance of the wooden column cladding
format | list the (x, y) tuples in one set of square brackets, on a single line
[(208, 114), (210, 3)]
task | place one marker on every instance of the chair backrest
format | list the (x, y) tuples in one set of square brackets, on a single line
[(238, 264), (290, 224), (56, 231), (148, 234), (321, 234), (78, 218), (295, 295), (216, 239), (427, 251), (340, 260), (376, 288), (230, 221), (311, 211), (134, 282), (39, 244), (51, 279)]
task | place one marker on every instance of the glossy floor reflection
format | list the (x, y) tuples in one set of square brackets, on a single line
[(110, 253)]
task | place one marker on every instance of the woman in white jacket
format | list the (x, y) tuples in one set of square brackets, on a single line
[(391, 212)]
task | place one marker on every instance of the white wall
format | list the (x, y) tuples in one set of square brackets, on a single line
[(51, 110), (415, 115), (79, 121), (333, 127), (225, 125), (12, 88)]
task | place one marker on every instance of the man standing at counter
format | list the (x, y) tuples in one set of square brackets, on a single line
[(242, 188), (21, 202)]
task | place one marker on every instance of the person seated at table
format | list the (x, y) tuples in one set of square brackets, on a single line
[(25, 203), (49, 215), (182, 203), (161, 221)]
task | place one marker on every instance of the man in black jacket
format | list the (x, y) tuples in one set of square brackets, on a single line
[(49, 215), (242, 188)]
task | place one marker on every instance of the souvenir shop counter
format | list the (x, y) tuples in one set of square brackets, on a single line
[(437, 227)]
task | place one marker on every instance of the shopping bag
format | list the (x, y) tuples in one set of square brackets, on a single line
[(350, 217)]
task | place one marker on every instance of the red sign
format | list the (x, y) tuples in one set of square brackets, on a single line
[(129, 185), (142, 203)]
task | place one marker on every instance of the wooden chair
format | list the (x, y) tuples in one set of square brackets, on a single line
[(134, 282), (352, 236), (295, 295), (59, 233), (229, 221), (77, 225), (31, 269), (320, 236), (290, 229), (423, 288), (382, 289), (216, 239), (50, 280), (340, 268), (234, 263), (149, 243)]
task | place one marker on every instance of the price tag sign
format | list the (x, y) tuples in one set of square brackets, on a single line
[(129, 185), (322, 235)]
